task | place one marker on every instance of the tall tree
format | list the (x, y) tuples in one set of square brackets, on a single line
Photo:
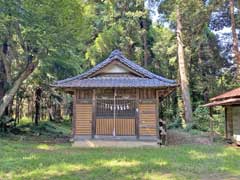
[(182, 71), (37, 31), (236, 51), (124, 24), (201, 53)]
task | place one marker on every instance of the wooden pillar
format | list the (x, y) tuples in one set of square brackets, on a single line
[(137, 114), (93, 113), (211, 126), (114, 111), (226, 125), (74, 113), (157, 114), (229, 122)]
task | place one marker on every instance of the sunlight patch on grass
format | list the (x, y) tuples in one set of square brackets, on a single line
[(44, 147), (158, 175), (31, 157), (222, 154), (54, 170), (120, 163), (197, 155), (161, 163)]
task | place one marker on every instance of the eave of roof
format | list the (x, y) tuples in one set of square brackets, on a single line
[(104, 82), (231, 101)]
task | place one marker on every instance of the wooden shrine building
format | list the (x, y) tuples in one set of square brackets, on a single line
[(116, 98), (231, 102)]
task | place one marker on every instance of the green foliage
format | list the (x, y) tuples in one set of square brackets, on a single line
[(201, 119), (45, 129), (164, 50), (219, 120), (177, 123), (106, 42), (119, 27)]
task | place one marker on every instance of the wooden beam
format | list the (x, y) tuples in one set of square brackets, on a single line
[(165, 92)]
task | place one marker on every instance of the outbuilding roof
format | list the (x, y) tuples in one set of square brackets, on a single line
[(148, 78), (230, 94), (228, 98)]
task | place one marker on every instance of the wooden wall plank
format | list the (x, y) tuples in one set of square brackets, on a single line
[(124, 127), (147, 116), (83, 119)]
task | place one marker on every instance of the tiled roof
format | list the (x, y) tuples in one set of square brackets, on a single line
[(150, 79), (228, 98), (226, 95), (116, 82)]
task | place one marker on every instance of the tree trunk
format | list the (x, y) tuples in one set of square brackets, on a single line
[(17, 109), (183, 73), (58, 113), (235, 39), (29, 107), (21, 109), (55, 113), (8, 96), (145, 46), (38, 94), (2, 80), (6, 62)]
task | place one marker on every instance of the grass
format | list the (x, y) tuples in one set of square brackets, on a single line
[(29, 160), (34, 157)]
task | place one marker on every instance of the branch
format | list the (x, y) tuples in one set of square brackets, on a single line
[(7, 67), (7, 98), (19, 34)]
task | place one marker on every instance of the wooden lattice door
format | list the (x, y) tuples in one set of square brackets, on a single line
[(116, 117)]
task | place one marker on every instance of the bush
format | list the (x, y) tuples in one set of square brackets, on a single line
[(177, 123), (201, 119)]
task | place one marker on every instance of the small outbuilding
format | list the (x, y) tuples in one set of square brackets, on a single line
[(231, 102), (116, 98)]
